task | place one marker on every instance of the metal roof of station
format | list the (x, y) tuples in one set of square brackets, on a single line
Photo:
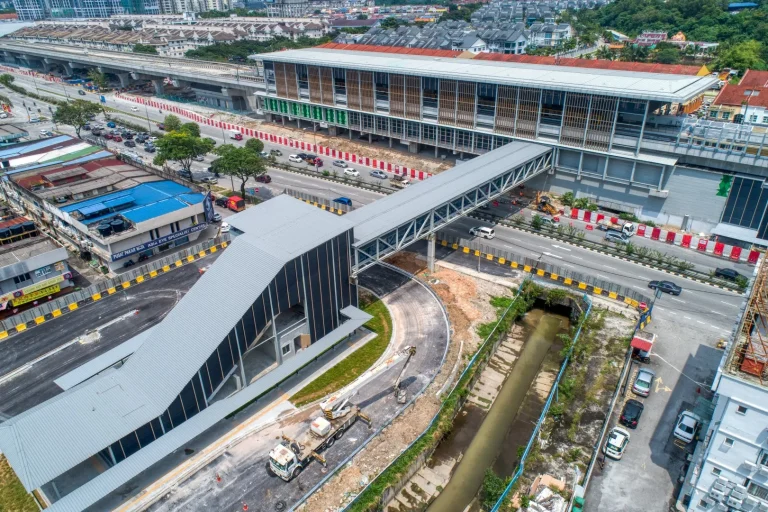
[(53, 437), (610, 82)]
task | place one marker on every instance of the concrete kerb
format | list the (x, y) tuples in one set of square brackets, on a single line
[(378, 431), (340, 181), (96, 293), (606, 253), (567, 281)]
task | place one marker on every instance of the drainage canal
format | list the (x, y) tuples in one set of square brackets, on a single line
[(482, 439)]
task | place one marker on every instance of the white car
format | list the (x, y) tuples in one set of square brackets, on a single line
[(134, 109), (351, 172), (152, 139), (224, 227), (295, 159), (617, 441), (686, 426), (482, 232)]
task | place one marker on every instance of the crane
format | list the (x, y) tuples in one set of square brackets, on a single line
[(337, 405)]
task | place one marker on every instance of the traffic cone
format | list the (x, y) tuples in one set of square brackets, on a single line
[(218, 478), (245, 506)]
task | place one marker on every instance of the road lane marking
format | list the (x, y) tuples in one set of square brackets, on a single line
[(552, 255), (687, 317), (699, 322), (677, 300), (718, 313), (729, 304), (561, 248)]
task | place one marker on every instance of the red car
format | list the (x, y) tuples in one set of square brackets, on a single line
[(109, 136), (264, 178), (117, 138)]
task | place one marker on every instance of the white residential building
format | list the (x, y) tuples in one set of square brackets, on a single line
[(729, 469), (549, 34)]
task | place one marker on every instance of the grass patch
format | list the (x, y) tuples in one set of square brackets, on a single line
[(356, 363), (13, 496)]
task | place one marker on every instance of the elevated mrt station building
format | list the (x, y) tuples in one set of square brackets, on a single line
[(622, 133)]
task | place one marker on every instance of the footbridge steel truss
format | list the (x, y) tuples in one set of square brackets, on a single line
[(479, 181)]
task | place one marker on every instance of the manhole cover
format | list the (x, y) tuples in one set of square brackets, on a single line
[(280, 506)]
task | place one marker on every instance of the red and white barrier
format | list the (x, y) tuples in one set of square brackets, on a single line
[(283, 141), (685, 240)]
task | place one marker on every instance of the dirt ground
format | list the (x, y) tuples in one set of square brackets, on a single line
[(574, 424), (341, 143), (467, 301)]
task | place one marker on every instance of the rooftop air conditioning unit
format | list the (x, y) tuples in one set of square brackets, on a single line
[(740, 488), (738, 495), (763, 470), (751, 503), (719, 486), (733, 502), (763, 507), (708, 502), (751, 465), (722, 507)]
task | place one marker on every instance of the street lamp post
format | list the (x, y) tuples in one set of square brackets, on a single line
[(149, 125)]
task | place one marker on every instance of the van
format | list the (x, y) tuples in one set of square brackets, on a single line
[(235, 135), (483, 232)]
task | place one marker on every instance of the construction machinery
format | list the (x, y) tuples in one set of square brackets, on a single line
[(543, 204), (289, 458)]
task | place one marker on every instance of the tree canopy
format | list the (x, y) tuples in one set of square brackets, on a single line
[(393, 22), (171, 123), (191, 128), (144, 48), (240, 50), (76, 113), (98, 78), (180, 146), (743, 36), (240, 162), (7, 79)]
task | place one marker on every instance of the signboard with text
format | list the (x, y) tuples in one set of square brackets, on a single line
[(158, 241)]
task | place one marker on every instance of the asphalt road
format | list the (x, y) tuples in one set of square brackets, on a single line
[(153, 299), (712, 302), (418, 320)]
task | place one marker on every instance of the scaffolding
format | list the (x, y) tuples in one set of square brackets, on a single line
[(749, 354)]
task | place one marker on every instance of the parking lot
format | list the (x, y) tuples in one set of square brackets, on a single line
[(685, 360)]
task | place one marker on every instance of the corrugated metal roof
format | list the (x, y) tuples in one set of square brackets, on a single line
[(92, 491), (377, 218), (612, 82), (47, 440)]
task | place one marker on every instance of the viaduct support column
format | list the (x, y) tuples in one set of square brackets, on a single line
[(158, 83), (125, 79), (431, 252)]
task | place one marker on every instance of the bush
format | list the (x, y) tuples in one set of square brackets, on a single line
[(493, 488), (742, 282), (536, 222), (567, 199), (629, 217), (555, 295), (581, 203)]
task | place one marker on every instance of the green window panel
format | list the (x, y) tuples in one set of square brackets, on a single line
[(305, 111), (329, 115), (273, 105), (283, 107), (295, 109), (317, 113), (341, 118)]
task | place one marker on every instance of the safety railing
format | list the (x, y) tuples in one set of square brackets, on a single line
[(102, 287), (545, 410)]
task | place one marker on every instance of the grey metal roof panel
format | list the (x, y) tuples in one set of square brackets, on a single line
[(377, 218), (91, 492), (115, 403), (626, 84)]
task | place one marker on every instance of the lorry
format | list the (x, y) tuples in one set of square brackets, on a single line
[(642, 346), (399, 181), (289, 458), (628, 228)]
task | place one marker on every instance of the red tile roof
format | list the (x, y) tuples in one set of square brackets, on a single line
[(671, 69), (737, 95), (754, 78), (9, 16)]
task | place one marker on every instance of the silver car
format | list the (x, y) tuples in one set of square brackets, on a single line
[(643, 382)]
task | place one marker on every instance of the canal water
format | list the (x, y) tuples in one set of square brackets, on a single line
[(482, 437)]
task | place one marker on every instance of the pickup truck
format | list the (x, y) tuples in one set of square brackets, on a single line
[(399, 181)]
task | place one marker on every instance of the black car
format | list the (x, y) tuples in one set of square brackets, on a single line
[(129, 143), (264, 178), (666, 287), (631, 413), (184, 173), (221, 201), (727, 273), (86, 127), (276, 152), (96, 132), (81, 92)]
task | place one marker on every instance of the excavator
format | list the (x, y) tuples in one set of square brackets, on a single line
[(543, 205), (289, 458)]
